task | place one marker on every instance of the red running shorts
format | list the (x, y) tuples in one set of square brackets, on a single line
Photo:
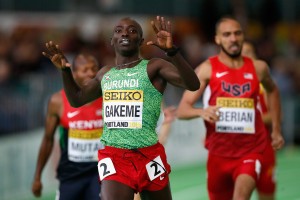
[(266, 183), (141, 169), (223, 171)]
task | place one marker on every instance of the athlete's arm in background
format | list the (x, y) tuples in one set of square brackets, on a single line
[(186, 108), (266, 117), (273, 98), (76, 95), (52, 121), (164, 131)]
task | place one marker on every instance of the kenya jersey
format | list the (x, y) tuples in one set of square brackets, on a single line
[(131, 108), (240, 129), (80, 132)]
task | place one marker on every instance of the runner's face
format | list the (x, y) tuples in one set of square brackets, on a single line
[(85, 70), (127, 37), (230, 38)]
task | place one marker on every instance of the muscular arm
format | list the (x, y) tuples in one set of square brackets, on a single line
[(266, 117), (52, 121), (273, 98), (162, 72), (182, 75), (177, 72), (169, 116), (187, 109), (79, 96)]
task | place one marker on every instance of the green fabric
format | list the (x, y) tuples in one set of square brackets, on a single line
[(61, 137), (130, 81)]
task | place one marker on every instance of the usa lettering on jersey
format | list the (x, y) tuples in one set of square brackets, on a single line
[(236, 89)]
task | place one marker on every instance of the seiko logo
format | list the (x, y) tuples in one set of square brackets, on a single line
[(123, 95)]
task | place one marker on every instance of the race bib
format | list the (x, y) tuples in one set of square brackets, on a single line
[(155, 169), (236, 115), (83, 145), (123, 108), (105, 168)]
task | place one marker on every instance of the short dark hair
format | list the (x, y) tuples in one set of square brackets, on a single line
[(222, 19)]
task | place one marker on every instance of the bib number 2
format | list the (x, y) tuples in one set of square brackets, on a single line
[(155, 168), (105, 168)]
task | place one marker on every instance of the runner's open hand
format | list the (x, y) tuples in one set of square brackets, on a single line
[(163, 33), (56, 56)]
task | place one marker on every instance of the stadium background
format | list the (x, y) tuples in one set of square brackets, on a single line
[(27, 79)]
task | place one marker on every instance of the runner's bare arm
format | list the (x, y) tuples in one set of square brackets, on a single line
[(77, 96), (178, 71), (273, 98), (52, 121), (169, 114), (187, 109)]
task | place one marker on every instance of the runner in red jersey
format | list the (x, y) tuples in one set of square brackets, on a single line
[(266, 185), (236, 136), (80, 130)]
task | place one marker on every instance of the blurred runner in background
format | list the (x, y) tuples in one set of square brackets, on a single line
[(80, 130)]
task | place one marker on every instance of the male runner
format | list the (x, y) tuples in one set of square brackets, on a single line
[(133, 160), (80, 129), (266, 185), (236, 136)]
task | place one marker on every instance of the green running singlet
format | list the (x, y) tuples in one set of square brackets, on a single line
[(131, 108)]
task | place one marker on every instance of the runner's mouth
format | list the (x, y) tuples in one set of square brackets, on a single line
[(124, 41)]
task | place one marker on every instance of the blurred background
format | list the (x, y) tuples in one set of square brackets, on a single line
[(27, 79)]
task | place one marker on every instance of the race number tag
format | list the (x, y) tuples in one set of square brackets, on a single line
[(155, 169), (123, 108), (236, 115), (83, 145), (105, 168)]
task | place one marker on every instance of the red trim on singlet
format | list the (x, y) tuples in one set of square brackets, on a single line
[(261, 100)]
